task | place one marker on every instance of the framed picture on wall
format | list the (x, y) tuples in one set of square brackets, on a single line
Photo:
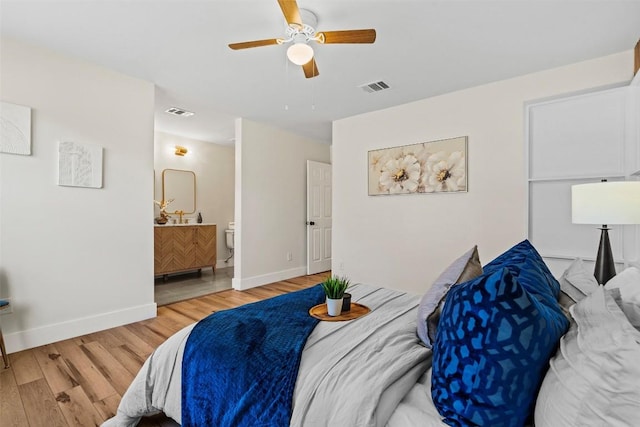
[(15, 129), (79, 165), (426, 167)]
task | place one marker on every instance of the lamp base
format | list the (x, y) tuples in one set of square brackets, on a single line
[(605, 268)]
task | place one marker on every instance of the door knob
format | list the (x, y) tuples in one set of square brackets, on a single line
[(311, 223)]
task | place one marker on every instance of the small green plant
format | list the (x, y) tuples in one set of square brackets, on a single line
[(334, 286)]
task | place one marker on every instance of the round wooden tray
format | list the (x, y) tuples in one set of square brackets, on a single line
[(357, 310)]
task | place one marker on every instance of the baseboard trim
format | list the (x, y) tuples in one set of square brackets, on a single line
[(24, 340), (252, 282)]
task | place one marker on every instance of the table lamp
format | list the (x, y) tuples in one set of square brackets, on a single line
[(605, 203)]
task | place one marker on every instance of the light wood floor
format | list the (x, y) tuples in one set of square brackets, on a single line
[(79, 382)]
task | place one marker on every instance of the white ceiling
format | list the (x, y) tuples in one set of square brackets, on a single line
[(423, 48)]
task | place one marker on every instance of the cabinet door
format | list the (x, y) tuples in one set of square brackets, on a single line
[(184, 250), (161, 254), (206, 245), (579, 136), (173, 249)]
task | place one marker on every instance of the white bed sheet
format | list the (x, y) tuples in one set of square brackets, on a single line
[(417, 408)]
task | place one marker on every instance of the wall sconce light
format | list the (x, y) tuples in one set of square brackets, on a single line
[(180, 150)]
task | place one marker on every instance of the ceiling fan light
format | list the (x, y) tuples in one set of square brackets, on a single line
[(300, 53)]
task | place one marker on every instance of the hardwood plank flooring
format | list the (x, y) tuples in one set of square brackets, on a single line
[(55, 369), (40, 405), (77, 408), (11, 407), (80, 381)]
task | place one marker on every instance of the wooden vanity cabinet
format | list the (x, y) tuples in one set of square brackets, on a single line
[(183, 248)]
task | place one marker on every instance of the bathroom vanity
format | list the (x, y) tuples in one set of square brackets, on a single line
[(183, 247)]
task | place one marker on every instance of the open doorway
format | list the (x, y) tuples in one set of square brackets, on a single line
[(209, 193)]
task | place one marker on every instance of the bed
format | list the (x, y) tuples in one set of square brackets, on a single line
[(419, 360)]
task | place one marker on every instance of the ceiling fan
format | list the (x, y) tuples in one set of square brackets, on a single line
[(301, 31)]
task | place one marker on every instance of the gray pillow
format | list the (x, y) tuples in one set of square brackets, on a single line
[(593, 378), (576, 282), (461, 270)]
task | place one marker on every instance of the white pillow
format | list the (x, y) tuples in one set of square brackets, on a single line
[(628, 281), (628, 284), (593, 378), (577, 282)]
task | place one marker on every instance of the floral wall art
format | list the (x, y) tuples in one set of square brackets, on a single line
[(79, 165), (427, 167), (15, 129)]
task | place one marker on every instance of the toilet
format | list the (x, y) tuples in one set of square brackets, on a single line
[(229, 237), (229, 232)]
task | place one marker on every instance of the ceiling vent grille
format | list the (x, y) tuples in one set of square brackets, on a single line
[(374, 87), (179, 112)]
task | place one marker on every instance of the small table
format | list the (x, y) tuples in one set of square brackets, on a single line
[(357, 310)]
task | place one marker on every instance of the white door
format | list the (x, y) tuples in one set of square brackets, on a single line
[(318, 217)]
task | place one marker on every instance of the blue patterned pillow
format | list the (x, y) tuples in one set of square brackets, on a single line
[(525, 263), (492, 348)]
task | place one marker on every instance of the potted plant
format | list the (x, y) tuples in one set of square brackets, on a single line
[(334, 288)]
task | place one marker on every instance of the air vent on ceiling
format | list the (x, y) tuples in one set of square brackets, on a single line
[(374, 87), (179, 112)]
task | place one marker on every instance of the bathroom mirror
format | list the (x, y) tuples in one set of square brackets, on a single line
[(179, 185)]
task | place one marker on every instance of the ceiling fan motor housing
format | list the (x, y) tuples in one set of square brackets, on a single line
[(304, 33)]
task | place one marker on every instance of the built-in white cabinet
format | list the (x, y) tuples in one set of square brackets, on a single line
[(574, 140)]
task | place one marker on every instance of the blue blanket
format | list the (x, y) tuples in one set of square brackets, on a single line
[(240, 365)]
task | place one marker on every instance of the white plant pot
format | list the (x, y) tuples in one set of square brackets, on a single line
[(334, 307)]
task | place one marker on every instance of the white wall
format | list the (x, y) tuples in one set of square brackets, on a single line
[(75, 260), (214, 167), (271, 202), (404, 242)]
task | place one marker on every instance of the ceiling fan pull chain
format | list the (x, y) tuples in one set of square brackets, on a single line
[(286, 83), (313, 95)]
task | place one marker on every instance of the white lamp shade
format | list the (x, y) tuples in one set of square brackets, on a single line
[(606, 203), (300, 53)]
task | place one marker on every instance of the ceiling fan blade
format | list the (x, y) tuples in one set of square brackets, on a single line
[(291, 12), (347, 36), (310, 69), (254, 43)]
